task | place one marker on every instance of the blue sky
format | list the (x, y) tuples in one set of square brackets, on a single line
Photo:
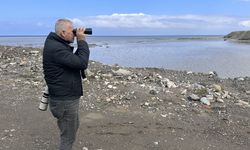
[(127, 17)]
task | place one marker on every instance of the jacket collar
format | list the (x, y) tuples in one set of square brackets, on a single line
[(53, 35)]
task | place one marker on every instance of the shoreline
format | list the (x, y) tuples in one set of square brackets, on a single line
[(221, 75)]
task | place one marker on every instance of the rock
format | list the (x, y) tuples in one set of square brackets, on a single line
[(240, 79), (248, 92), (110, 86), (108, 99), (205, 101), (153, 91), (122, 72), (217, 94), (164, 115), (220, 100), (85, 148), (194, 97), (34, 53), (4, 66), (226, 95), (89, 73), (184, 92), (158, 76), (167, 83), (242, 103), (210, 97), (217, 88), (212, 74)]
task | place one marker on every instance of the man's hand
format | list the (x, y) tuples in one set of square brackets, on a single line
[(80, 34)]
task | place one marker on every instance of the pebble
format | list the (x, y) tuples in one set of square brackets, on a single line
[(194, 97), (220, 100), (184, 92), (242, 103), (164, 115), (205, 101), (146, 103), (85, 148)]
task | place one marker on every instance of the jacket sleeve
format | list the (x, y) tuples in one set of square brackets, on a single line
[(79, 60)]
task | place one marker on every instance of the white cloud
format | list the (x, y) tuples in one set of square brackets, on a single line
[(141, 20), (245, 23)]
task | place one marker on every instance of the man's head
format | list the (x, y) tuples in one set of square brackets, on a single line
[(64, 28)]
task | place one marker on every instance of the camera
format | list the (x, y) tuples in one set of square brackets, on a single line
[(87, 31), (43, 105)]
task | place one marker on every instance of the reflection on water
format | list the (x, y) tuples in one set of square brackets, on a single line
[(191, 53)]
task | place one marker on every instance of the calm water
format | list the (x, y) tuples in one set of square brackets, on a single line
[(191, 53)]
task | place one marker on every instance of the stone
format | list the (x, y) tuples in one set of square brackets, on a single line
[(217, 88), (205, 101), (210, 97), (184, 92), (194, 97), (110, 86), (146, 103), (226, 95), (240, 79), (4, 66), (167, 83), (153, 91), (212, 74), (248, 92), (85, 148), (164, 115), (34, 52), (220, 100), (89, 73), (122, 72), (242, 103)]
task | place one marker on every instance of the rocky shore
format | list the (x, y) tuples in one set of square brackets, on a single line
[(125, 108)]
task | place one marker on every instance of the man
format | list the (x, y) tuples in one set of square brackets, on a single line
[(62, 70)]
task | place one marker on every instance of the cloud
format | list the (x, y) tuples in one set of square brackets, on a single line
[(141, 20), (245, 23)]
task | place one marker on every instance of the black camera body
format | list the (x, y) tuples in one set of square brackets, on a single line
[(87, 31)]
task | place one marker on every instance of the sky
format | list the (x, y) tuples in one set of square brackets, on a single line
[(126, 17)]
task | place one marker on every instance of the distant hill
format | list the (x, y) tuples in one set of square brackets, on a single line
[(238, 35)]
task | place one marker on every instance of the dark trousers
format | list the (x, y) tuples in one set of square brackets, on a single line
[(66, 113)]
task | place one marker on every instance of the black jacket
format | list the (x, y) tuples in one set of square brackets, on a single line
[(62, 68)]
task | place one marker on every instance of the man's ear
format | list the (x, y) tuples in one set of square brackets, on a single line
[(62, 34)]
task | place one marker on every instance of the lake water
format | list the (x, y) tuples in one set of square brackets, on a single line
[(191, 53)]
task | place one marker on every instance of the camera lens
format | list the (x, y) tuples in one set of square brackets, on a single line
[(87, 31)]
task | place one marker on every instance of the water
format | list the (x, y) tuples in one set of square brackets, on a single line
[(191, 53)]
